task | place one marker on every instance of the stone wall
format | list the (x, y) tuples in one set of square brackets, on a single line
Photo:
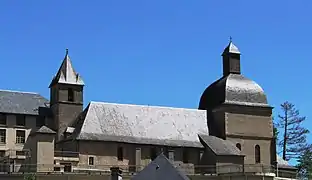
[(107, 177)]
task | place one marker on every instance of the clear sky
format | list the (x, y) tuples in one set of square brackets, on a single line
[(158, 52)]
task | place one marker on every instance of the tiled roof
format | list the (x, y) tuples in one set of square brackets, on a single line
[(219, 146), (21, 102), (141, 124), (160, 169)]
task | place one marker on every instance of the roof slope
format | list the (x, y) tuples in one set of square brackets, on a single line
[(141, 124), (160, 169), (219, 146), (21, 102)]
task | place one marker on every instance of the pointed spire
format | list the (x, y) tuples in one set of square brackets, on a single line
[(231, 48), (66, 73)]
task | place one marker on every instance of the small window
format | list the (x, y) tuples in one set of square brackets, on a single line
[(2, 136), (120, 154), (91, 161), (70, 95), (257, 154), (57, 169), (3, 119), (153, 153), (2, 153), (20, 120), (201, 153), (239, 146), (40, 121), (185, 156), (171, 154), (20, 136), (20, 153)]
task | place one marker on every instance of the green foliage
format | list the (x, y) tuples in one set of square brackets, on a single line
[(275, 133), (305, 164), (29, 177), (293, 141)]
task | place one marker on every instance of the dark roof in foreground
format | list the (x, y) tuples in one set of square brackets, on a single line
[(141, 124), (219, 146), (160, 169), (16, 102)]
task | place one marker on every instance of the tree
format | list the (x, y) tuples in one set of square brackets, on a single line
[(293, 142), (305, 164), (275, 130)]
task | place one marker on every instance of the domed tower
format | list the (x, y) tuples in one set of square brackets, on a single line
[(238, 111)]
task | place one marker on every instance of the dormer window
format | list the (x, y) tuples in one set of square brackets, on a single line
[(70, 95)]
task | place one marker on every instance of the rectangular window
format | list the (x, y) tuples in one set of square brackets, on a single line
[(2, 153), (20, 120), (2, 136), (40, 121), (20, 153), (71, 95), (20, 136), (171, 155), (120, 154), (3, 120), (91, 161), (185, 156)]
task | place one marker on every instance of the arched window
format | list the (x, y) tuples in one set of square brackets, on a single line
[(239, 146), (257, 154)]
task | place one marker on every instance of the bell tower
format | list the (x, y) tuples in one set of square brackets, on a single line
[(231, 60), (66, 96)]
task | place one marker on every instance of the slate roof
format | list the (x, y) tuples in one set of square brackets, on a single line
[(231, 48), (66, 73), (234, 89), (283, 164), (21, 102), (141, 124), (160, 169), (219, 146)]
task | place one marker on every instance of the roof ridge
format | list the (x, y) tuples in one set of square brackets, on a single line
[(143, 105), (16, 91)]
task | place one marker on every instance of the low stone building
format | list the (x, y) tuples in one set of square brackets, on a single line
[(231, 128)]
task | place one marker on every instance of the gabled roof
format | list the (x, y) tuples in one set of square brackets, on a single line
[(141, 124), (160, 169), (16, 102), (219, 146), (43, 130), (66, 73)]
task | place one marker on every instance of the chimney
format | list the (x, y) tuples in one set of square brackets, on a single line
[(116, 173)]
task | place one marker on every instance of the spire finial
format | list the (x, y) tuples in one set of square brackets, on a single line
[(66, 51), (230, 39)]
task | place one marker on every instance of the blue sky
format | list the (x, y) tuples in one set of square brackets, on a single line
[(158, 52)]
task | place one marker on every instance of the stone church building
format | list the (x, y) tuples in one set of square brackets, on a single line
[(232, 127)]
